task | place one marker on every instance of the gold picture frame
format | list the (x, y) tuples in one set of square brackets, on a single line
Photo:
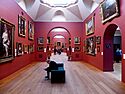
[(90, 26), (6, 40), (109, 10), (21, 26), (30, 30), (76, 40)]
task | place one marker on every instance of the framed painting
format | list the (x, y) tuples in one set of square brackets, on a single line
[(48, 40), (6, 41), (21, 26), (98, 39), (98, 48), (40, 40), (77, 48), (31, 48), (89, 25), (77, 40), (58, 44), (109, 10), (30, 30), (40, 48), (25, 48), (69, 41), (91, 45), (19, 48)]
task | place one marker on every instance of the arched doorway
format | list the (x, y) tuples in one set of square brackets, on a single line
[(112, 39), (59, 37)]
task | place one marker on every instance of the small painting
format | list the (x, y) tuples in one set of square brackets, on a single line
[(21, 26), (40, 40), (77, 40), (30, 30)]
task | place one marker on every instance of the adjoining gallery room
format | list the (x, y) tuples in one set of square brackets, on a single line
[(62, 47)]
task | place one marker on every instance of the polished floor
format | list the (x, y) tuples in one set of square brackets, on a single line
[(81, 78)]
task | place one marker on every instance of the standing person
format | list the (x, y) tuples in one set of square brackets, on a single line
[(6, 41), (52, 66), (118, 55)]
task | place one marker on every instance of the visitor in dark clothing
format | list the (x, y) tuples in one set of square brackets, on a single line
[(52, 66)]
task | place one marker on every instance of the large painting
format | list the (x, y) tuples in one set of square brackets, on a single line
[(6, 41), (21, 26), (30, 30), (91, 45), (90, 26), (109, 9)]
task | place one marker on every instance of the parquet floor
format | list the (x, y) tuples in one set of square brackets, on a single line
[(81, 78)]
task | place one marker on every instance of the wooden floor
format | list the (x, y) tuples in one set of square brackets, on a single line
[(81, 78)]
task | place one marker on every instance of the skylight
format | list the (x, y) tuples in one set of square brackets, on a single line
[(59, 30), (59, 3), (59, 36)]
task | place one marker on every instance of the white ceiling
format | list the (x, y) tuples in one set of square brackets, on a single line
[(41, 12)]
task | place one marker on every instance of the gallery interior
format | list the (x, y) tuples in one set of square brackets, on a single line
[(85, 37)]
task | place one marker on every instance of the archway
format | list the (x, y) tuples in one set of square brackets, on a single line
[(109, 47), (59, 31)]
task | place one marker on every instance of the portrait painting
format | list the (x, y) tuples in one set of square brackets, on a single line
[(19, 48), (21, 26), (25, 48), (58, 44), (30, 30), (109, 10), (31, 48), (77, 40), (91, 45), (98, 39), (40, 40), (90, 26), (6, 41)]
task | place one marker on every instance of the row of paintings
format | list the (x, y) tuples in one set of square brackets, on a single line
[(22, 28), (20, 48), (7, 30), (40, 40), (109, 10)]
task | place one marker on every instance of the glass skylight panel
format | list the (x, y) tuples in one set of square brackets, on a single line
[(60, 3)]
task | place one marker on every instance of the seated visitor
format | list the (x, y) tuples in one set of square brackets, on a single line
[(52, 66)]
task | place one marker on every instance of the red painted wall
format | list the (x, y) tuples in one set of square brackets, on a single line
[(9, 11), (100, 28), (43, 28)]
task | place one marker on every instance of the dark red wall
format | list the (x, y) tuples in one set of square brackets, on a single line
[(99, 31), (9, 11), (43, 28)]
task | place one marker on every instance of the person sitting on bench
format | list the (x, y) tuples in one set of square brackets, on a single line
[(52, 66)]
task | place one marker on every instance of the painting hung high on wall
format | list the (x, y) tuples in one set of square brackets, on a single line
[(91, 45), (109, 9), (6, 41), (40, 40), (30, 30), (21, 26), (77, 40), (90, 26)]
